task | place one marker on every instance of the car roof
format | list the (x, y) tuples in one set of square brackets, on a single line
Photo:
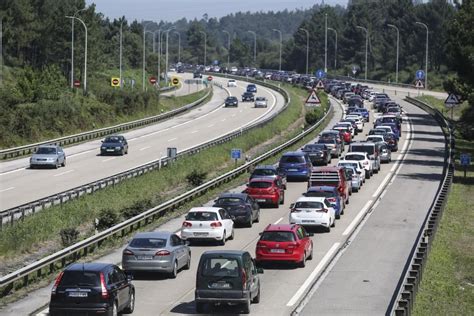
[(327, 168), (311, 199), (48, 146), (294, 153), (265, 167), (262, 179), (204, 209), (234, 253), (322, 188), (234, 195), (156, 234), (363, 153), (88, 266), (281, 227)]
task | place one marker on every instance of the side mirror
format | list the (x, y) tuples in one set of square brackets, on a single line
[(129, 277), (232, 217), (310, 234), (187, 242), (260, 270)]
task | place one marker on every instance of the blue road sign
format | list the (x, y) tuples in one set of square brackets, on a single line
[(465, 159), (236, 153), (420, 74), (320, 73)]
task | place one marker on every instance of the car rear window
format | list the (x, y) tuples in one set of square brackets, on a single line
[(80, 278), (366, 149), (326, 140), (229, 200), (46, 151), (279, 236), (319, 194), (220, 267), (313, 147), (264, 172), (308, 204), (148, 243), (260, 184), (201, 216), (354, 157), (292, 159)]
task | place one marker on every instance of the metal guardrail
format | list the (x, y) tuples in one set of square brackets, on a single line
[(49, 263), (403, 300), (20, 212), (98, 133)]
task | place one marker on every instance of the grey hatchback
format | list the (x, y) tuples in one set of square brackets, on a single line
[(48, 155), (156, 252)]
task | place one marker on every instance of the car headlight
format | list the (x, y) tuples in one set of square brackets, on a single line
[(118, 147), (50, 159), (103, 147)]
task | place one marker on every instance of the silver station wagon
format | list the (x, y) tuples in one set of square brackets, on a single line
[(48, 156)]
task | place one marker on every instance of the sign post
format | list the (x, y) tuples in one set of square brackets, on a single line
[(465, 162), (451, 101), (236, 154)]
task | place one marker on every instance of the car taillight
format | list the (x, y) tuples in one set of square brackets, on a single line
[(261, 245), (294, 210), (354, 176), (187, 224), (104, 292), (332, 199), (365, 163), (244, 279), (323, 210), (290, 248), (128, 252), (56, 283), (216, 224), (163, 253)]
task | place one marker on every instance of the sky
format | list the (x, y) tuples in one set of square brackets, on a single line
[(173, 10)]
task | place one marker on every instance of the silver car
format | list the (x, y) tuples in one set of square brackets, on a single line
[(260, 102), (49, 156), (162, 252)]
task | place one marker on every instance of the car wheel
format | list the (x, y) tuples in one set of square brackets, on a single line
[(328, 229), (246, 307), (250, 223), (56, 165), (222, 242), (122, 152), (282, 200), (334, 223), (368, 175), (302, 263), (338, 216), (256, 299), (310, 257), (131, 305), (174, 272), (188, 263), (200, 307), (257, 220), (64, 163), (350, 192), (232, 235)]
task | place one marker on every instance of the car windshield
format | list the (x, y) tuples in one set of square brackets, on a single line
[(260, 184), (220, 267), (354, 157), (79, 278), (326, 141), (148, 243), (309, 204), (278, 236), (367, 149), (229, 200), (112, 140), (351, 164), (260, 99), (264, 172), (389, 120), (313, 147), (46, 151), (201, 216), (292, 159), (319, 194)]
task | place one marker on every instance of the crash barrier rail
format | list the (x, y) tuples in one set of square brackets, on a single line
[(49, 264), (98, 133), (20, 212), (403, 300)]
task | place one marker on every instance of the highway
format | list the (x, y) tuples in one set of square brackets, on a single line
[(363, 275), (19, 184)]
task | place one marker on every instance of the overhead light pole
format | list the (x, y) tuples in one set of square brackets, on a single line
[(254, 45), (179, 45), (228, 49), (72, 46), (144, 58), (426, 54), (307, 48), (281, 40), (398, 43), (335, 47), (366, 46), (120, 55), (326, 42), (166, 62), (85, 51), (205, 48)]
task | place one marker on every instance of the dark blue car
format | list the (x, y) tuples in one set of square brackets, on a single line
[(296, 165), (331, 194), (364, 112)]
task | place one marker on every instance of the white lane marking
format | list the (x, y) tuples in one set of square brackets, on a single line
[(44, 312), (313, 275), (7, 189), (210, 125), (232, 115), (241, 111), (109, 159), (223, 120), (357, 218), (170, 140), (12, 171), (145, 148), (63, 173), (382, 185), (281, 218), (393, 167), (81, 153), (193, 132)]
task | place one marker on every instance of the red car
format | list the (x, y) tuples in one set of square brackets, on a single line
[(346, 134), (266, 191), (284, 243)]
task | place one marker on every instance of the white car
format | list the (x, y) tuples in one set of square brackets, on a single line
[(208, 223), (357, 165), (349, 127), (233, 70), (364, 159), (312, 212), (388, 129), (260, 102), (231, 83), (358, 120)]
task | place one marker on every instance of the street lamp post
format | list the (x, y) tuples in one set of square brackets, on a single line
[(85, 50), (426, 62), (153, 40), (326, 42), (166, 63), (144, 58), (281, 40), (398, 42), (254, 45), (335, 47), (72, 46), (307, 48), (228, 49), (179, 45), (205, 47), (366, 46), (120, 55)]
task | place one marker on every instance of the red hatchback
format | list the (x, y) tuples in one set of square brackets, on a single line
[(266, 191), (284, 243)]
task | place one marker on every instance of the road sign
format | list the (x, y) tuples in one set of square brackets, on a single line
[(236, 153), (354, 70), (420, 74), (312, 99), (209, 78), (77, 83), (465, 159), (320, 84), (320, 73), (419, 84), (452, 100), (115, 82), (175, 81), (152, 80)]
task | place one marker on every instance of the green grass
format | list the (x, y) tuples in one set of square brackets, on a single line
[(43, 228), (439, 104), (447, 287)]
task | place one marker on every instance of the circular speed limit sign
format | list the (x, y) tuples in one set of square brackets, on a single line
[(175, 81)]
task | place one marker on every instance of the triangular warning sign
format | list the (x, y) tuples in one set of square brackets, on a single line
[(313, 98), (320, 85), (419, 84), (452, 99)]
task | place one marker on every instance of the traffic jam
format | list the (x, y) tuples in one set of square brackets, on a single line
[(333, 167)]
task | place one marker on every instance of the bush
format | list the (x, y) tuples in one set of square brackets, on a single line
[(106, 219), (312, 116), (68, 236), (137, 208), (196, 178)]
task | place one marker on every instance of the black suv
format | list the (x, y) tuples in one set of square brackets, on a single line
[(115, 144), (243, 208), (231, 101), (92, 288), (248, 96), (227, 276)]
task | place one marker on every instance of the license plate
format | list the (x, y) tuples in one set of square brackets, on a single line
[(110, 149), (260, 200), (77, 294), (277, 250), (307, 221), (220, 285), (201, 234), (292, 169), (144, 257)]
